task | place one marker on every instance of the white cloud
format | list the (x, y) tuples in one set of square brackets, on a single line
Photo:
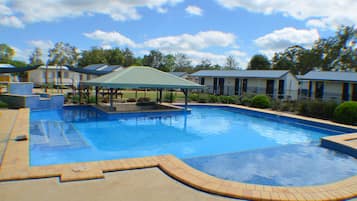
[(284, 38), (198, 41), (110, 38), (11, 21), (195, 46), (48, 10), (194, 10), (319, 13), (42, 44)]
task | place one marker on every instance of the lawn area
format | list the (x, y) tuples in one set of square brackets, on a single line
[(178, 96)]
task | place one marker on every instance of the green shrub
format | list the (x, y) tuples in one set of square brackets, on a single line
[(193, 97), (260, 101), (213, 99), (203, 99), (246, 101), (169, 98), (227, 99), (346, 113), (318, 109), (276, 104)]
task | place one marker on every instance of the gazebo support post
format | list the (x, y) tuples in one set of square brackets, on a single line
[(111, 99), (96, 95), (160, 96), (185, 91), (80, 94), (88, 94)]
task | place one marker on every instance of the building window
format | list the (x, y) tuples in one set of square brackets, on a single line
[(43, 75), (281, 89), (215, 85), (270, 88), (354, 92), (245, 85), (59, 75), (236, 86), (202, 81), (221, 86), (345, 91), (319, 90)]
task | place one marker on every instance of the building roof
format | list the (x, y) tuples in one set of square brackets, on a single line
[(54, 67), (330, 76), (103, 67), (17, 70), (178, 74), (141, 77), (241, 73)]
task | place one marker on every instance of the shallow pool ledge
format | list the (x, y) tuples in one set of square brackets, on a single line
[(346, 143), (15, 166)]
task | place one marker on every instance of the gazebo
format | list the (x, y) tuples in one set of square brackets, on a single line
[(140, 77)]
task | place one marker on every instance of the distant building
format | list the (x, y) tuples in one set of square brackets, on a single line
[(54, 75), (328, 85), (275, 83), (8, 77), (180, 74)]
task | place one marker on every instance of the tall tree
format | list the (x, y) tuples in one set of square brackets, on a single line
[(168, 63), (63, 54), (231, 63), (259, 62), (182, 63), (154, 59), (6, 53), (35, 57), (128, 57)]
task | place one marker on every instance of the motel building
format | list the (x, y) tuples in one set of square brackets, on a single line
[(328, 85), (275, 83)]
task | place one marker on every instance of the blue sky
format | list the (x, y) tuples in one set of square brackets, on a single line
[(211, 29)]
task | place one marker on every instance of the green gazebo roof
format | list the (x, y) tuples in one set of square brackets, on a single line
[(141, 77)]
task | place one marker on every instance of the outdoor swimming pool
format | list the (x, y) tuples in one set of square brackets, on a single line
[(225, 142)]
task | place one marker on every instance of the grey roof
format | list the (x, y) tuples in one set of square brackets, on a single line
[(102, 67), (241, 73), (330, 76), (178, 74)]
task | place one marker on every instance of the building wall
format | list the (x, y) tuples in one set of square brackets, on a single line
[(38, 77)]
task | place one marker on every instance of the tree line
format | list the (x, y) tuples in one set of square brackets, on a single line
[(337, 52)]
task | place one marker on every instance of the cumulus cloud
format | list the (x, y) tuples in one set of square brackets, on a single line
[(47, 10), (195, 46), (110, 38), (318, 13), (194, 10), (198, 41), (286, 37), (42, 44)]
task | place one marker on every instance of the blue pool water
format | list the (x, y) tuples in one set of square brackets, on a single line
[(221, 141)]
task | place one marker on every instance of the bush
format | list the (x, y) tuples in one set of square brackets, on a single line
[(213, 99), (169, 98), (228, 99), (276, 104), (318, 109), (203, 99), (346, 113), (193, 97), (260, 101)]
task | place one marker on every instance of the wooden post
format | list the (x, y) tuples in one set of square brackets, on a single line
[(186, 97), (96, 95), (160, 96), (80, 94), (88, 94), (111, 99)]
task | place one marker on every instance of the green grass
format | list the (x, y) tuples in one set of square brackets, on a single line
[(3, 105)]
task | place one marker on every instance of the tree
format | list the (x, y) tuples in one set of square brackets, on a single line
[(259, 62), (63, 54), (154, 59), (93, 56), (128, 57), (231, 63), (35, 57), (6, 53), (168, 63), (182, 63)]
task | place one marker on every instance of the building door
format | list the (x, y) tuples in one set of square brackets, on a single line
[(245, 86), (202, 81), (310, 89), (345, 91), (215, 85), (319, 90), (236, 87), (270, 88), (354, 92), (221, 86), (281, 89)]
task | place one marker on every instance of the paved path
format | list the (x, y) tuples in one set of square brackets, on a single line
[(149, 184)]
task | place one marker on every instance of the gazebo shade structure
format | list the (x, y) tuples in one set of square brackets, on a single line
[(141, 77)]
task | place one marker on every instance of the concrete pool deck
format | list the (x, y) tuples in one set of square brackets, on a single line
[(15, 166)]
